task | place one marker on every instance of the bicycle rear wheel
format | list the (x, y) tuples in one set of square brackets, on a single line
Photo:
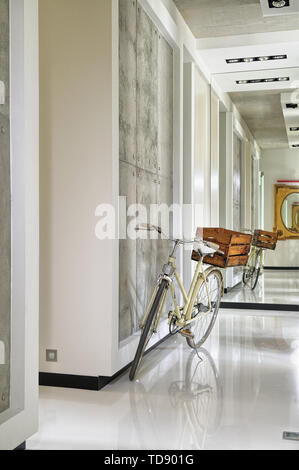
[(148, 329), (256, 271), (203, 326), (249, 268)]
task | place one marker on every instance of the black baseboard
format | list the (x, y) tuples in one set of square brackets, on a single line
[(82, 382), (281, 268), (261, 306), (21, 446)]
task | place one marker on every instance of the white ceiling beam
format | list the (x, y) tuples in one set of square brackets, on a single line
[(277, 37)]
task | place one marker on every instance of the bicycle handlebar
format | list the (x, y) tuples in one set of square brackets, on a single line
[(152, 228)]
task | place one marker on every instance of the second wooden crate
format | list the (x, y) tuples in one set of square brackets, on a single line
[(235, 246), (267, 240)]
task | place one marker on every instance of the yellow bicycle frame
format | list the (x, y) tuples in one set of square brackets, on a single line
[(182, 315)]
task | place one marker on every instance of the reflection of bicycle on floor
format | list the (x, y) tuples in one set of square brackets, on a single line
[(261, 241), (200, 397), (193, 410)]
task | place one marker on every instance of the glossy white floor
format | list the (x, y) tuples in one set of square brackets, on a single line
[(243, 395), (274, 287)]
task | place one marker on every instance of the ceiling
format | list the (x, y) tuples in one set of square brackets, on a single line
[(217, 18), (263, 114), (230, 29)]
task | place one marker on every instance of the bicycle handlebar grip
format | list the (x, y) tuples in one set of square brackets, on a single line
[(148, 227)]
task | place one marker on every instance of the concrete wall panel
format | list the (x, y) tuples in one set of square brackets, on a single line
[(127, 259), (5, 212), (147, 83), (127, 80), (165, 108), (147, 97)]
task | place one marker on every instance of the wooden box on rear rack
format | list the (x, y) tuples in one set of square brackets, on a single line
[(262, 239), (235, 246)]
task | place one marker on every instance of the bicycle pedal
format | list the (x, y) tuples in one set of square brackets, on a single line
[(187, 334)]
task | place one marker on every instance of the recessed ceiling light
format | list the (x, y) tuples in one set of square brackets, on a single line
[(256, 59), (279, 3), (291, 105), (279, 57), (294, 129), (263, 80)]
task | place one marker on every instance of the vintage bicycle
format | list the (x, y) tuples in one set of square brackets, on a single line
[(196, 318)]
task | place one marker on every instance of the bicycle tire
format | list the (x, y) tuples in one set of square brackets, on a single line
[(256, 272), (197, 343), (246, 277), (256, 279), (247, 274), (144, 339)]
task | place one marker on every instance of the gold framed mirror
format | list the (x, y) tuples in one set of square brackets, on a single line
[(287, 211)]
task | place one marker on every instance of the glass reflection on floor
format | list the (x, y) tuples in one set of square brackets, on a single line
[(274, 287)]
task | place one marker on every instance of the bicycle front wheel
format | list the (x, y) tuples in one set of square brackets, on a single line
[(149, 327), (202, 327)]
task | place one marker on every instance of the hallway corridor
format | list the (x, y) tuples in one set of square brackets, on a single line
[(242, 394)]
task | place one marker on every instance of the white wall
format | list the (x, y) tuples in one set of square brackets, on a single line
[(78, 285), (24, 156), (279, 164)]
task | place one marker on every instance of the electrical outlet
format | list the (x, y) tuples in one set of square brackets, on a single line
[(51, 355)]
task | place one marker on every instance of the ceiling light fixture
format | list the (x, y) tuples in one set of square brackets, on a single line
[(291, 105), (263, 80), (295, 146), (256, 59), (294, 129), (279, 3)]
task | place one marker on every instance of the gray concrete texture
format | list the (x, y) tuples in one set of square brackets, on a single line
[(5, 210), (216, 18), (263, 114), (146, 151)]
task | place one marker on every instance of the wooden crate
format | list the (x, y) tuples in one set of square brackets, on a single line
[(262, 239), (235, 246)]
